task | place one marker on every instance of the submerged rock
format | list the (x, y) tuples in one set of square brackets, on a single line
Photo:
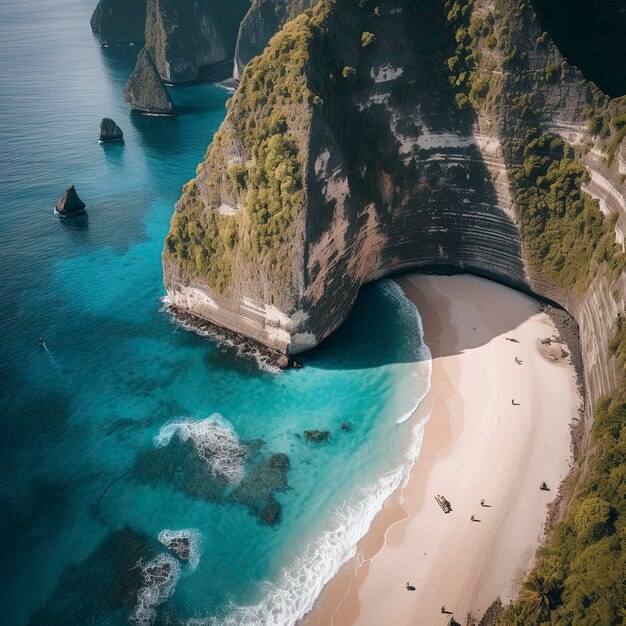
[(69, 203), (145, 91), (258, 488), (317, 435), (119, 21), (110, 131)]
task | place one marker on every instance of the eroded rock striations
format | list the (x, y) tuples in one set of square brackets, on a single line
[(145, 91), (69, 203), (119, 21), (184, 36), (345, 157), (110, 131)]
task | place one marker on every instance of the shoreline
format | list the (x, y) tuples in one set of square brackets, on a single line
[(476, 445), (245, 346)]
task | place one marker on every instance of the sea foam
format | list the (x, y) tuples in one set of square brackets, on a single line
[(160, 576), (169, 538), (215, 440), (294, 594)]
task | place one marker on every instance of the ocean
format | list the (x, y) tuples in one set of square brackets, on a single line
[(149, 475)]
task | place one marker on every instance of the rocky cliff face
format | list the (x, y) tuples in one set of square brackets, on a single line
[(145, 91), (184, 36), (370, 140), (119, 21), (264, 19)]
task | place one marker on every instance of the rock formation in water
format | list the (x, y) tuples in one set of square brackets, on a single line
[(110, 131), (264, 19), (119, 21), (69, 203), (145, 91), (184, 36), (317, 436), (345, 157)]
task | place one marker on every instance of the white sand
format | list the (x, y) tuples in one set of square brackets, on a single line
[(476, 445)]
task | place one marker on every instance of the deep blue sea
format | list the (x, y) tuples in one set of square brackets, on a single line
[(124, 425)]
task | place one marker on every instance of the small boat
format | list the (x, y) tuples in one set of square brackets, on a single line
[(445, 505)]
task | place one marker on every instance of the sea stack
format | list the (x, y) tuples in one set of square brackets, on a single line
[(110, 131), (69, 204), (145, 91)]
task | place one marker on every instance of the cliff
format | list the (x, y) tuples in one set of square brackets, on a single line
[(183, 36), (346, 157), (145, 91), (119, 21), (264, 19), (376, 158), (373, 138)]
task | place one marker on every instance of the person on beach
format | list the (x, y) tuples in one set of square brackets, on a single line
[(482, 502), (410, 587)]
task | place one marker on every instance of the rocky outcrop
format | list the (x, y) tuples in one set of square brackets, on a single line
[(346, 157), (317, 436), (119, 21), (110, 131), (264, 19), (183, 36), (145, 91), (69, 204)]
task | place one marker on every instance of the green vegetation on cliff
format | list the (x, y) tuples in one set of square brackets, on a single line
[(564, 231), (268, 118)]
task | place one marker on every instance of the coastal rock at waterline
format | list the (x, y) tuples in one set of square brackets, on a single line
[(145, 91), (119, 21), (110, 131), (69, 203), (180, 545), (317, 436)]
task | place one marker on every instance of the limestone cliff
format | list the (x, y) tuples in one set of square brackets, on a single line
[(370, 139), (264, 19), (119, 21), (184, 36), (145, 91)]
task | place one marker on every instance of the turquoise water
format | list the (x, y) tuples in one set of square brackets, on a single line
[(126, 425)]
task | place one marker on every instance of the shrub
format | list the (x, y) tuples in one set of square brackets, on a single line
[(367, 39)]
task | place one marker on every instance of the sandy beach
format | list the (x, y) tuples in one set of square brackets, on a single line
[(478, 445)]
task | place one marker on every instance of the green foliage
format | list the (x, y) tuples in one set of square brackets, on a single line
[(367, 39), (599, 126), (348, 72), (617, 345), (238, 177), (271, 108), (564, 231), (591, 520)]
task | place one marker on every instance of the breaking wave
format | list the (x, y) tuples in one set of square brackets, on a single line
[(215, 440), (186, 544), (160, 576), (294, 594)]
